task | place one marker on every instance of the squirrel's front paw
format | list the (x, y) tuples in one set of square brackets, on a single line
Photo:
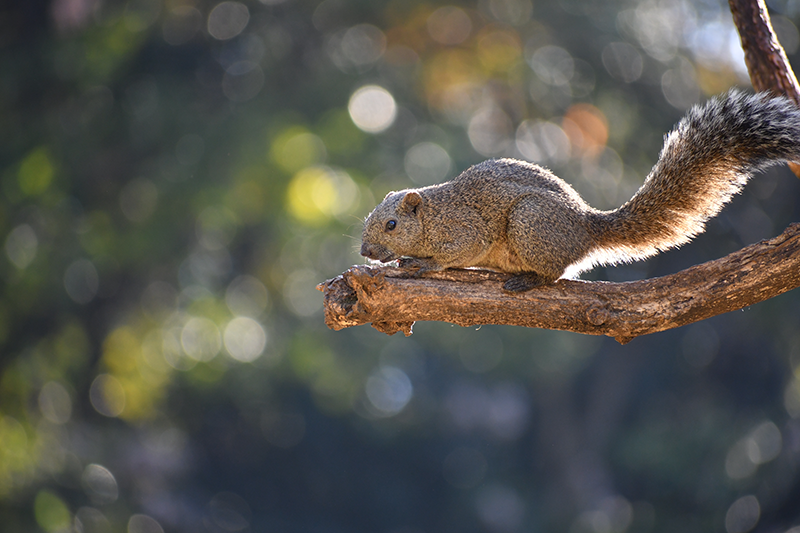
[(422, 264), (524, 282), (408, 262)]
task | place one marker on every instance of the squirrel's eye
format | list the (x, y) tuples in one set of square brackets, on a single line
[(391, 225)]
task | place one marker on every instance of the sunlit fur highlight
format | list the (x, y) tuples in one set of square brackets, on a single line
[(715, 147)]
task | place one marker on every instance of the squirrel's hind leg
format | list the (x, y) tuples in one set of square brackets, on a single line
[(546, 236), (524, 282)]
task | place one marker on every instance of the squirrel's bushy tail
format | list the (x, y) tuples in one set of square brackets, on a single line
[(706, 159)]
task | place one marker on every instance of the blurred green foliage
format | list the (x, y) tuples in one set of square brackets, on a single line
[(178, 175)]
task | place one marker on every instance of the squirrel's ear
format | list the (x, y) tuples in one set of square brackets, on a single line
[(410, 202)]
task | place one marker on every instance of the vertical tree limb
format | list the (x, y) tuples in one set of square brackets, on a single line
[(764, 56)]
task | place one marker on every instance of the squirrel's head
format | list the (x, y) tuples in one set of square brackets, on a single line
[(394, 228)]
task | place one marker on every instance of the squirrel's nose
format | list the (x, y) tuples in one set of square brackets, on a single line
[(366, 251)]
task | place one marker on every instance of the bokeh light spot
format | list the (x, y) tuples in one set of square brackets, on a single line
[(490, 131), (91, 520), (316, 194), (764, 443), (372, 108), (246, 296), (242, 81), (452, 78), (227, 20), (51, 512), (737, 462), (679, 85), (363, 44), (587, 128), (389, 390), (613, 515), (543, 142), (245, 339), (499, 51), (295, 148), (141, 523), (172, 351), (300, 294), (36, 172), (107, 395), (791, 398), (743, 515), (21, 246), (427, 163), (553, 65), (449, 25), (55, 403), (514, 12), (124, 357), (623, 62), (153, 352), (99, 484), (13, 438), (761, 445), (81, 281), (200, 339)]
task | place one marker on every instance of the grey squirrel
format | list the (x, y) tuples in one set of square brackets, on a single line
[(517, 217)]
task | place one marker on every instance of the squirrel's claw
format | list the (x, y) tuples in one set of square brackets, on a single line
[(408, 262)]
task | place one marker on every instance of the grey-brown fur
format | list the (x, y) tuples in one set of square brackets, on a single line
[(518, 217)]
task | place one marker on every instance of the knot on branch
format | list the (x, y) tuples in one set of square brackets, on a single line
[(347, 300), (597, 315)]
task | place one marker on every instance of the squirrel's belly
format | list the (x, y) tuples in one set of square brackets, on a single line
[(500, 257)]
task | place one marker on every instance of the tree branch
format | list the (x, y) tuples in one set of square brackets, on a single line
[(392, 299)]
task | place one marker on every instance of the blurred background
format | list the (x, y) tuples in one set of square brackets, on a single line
[(178, 175)]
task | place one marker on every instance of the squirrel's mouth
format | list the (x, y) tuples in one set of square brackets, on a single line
[(377, 252)]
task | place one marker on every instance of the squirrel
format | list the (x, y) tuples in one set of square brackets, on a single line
[(517, 217)]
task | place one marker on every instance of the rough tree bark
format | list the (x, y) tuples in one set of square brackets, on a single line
[(392, 299), (766, 60), (764, 56)]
